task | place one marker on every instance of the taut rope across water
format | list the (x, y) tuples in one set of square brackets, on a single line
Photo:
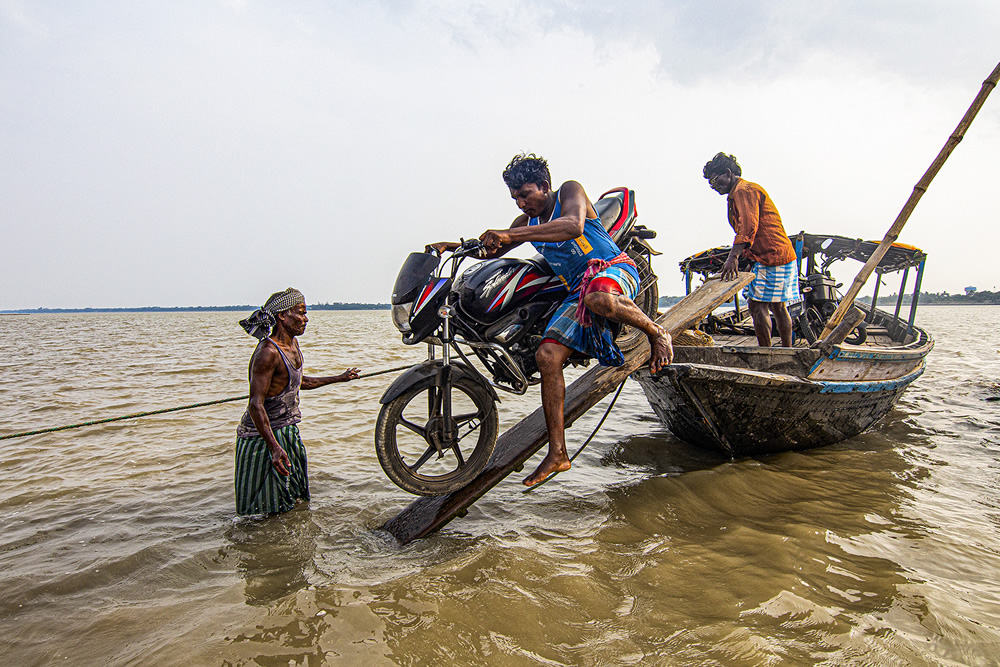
[(160, 412)]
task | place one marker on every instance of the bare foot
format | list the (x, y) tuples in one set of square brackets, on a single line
[(549, 466), (661, 351)]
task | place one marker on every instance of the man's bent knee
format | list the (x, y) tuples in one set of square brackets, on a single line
[(602, 303), (550, 354)]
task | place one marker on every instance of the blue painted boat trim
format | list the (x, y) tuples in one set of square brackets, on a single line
[(879, 385), (841, 353), (865, 355)]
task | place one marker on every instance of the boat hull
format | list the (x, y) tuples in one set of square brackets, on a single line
[(745, 412)]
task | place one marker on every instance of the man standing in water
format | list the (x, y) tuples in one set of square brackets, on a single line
[(564, 227), (271, 469), (760, 237)]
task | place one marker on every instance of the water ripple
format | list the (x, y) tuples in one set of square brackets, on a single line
[(120, 542)]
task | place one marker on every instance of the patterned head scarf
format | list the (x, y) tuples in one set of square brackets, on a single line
[(259, 324)]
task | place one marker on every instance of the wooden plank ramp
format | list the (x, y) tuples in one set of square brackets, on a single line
[(427, 514)]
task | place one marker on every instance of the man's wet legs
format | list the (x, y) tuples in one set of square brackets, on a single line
[(551, 357), (761, 313), (784, 321)]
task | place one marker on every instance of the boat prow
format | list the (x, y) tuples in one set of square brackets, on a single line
[(746, 412), (744, 400)]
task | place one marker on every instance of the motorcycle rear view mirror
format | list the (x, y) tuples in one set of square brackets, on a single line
[(413, 275)]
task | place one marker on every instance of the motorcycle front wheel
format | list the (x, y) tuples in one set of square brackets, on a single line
[(411, 428)]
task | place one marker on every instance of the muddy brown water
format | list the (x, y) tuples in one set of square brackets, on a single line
[(119, 543)]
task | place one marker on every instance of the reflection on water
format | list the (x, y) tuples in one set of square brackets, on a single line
[(646, 452), (799, 537), (120, 543), (274, 555)]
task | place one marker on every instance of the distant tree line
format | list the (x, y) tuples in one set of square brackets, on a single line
[(973, 299), (196, 309), (336, 305), (667, 301)]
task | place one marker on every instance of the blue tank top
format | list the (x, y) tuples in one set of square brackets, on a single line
[(569, 258)]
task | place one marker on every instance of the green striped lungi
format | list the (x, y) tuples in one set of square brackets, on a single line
[(260, 489)]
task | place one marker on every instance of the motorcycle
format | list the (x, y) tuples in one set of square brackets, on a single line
[(438, 423), (819, 302)]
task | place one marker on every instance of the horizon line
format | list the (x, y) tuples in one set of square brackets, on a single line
[(336, 305)]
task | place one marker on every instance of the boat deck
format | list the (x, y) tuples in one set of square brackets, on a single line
[(878, 337)]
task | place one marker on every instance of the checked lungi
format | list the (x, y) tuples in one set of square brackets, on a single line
[(260, 489), (596, 340), (773, 284)]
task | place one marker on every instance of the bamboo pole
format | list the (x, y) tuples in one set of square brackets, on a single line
[(918, 190)]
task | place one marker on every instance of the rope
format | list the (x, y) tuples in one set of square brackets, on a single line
[(587, 442), (136, 415)]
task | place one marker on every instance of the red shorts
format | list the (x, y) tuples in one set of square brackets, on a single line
[(605, 284), (599, 284)]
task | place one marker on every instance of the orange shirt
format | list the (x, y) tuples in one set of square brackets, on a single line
[(755, 220)]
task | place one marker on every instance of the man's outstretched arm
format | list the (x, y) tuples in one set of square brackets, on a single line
[(316, 383)]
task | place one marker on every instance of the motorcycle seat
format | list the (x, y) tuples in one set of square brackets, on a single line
[(610, 209), (617, 210)]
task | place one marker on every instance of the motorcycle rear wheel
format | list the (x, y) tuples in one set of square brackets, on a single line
[(648, 301), (409, 425)]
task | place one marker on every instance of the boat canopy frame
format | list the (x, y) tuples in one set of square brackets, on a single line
[(819, 252)]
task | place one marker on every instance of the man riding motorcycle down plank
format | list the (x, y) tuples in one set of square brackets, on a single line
[(563, 226)]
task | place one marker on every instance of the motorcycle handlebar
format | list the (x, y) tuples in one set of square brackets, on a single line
[(469, 247), (463, 248)]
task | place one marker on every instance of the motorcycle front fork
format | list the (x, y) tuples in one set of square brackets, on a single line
[(439, 402)]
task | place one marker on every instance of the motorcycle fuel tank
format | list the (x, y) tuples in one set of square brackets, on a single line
[(491, 289), (820, 287)]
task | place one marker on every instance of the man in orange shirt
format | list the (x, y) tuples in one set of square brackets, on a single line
[(760, 237)]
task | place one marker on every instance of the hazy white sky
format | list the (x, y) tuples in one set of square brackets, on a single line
[(209, 153)]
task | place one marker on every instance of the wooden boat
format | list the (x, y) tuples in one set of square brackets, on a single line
[(734, 396)]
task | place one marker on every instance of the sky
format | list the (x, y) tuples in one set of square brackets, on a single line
[(200, 152)]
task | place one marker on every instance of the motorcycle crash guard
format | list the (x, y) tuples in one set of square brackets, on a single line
[(426, 370)]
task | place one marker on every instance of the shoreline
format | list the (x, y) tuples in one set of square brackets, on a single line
[(188, 309), (322, 306)]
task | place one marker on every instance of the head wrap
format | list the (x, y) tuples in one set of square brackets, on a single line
[(259, 324)]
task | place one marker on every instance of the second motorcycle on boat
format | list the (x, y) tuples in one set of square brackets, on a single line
[(438, 424)]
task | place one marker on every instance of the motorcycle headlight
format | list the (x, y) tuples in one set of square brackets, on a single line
[(401, 317)]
